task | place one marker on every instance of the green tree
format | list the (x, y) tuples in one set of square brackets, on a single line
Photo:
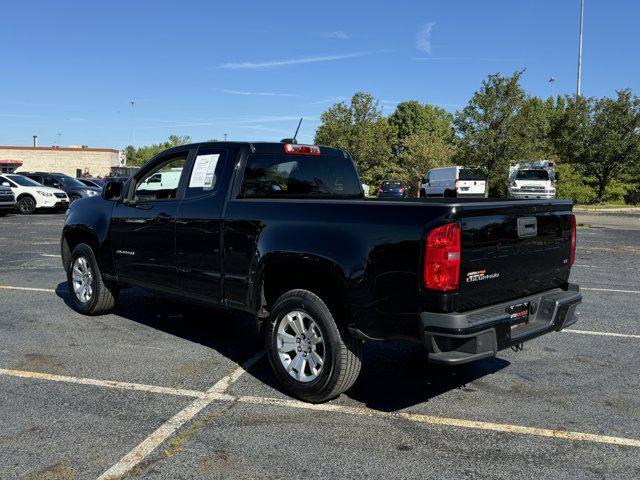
[(490, 129), (601, 137), (413, 117), (139, 156), (421, 152), (360, 129)]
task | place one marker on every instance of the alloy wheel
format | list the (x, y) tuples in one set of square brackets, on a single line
[(301, 346), (82, 278)]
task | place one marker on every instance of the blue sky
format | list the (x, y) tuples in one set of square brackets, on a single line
[(250, 69)]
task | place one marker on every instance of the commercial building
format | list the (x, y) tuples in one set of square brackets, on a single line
[(74, 161)]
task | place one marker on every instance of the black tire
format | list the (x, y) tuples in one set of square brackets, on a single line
[(104, 295), (3, 213), (423, 194), (26, 205), (450, 194), (73, 198), (342, 353)]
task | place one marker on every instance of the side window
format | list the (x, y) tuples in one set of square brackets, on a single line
[(48, 181), (206, 172), (162, 182)]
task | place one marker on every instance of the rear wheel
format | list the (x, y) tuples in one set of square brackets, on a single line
[(26, 205), (313, 358), (89, 294), (73, 198), (423, 194), (450, 194)]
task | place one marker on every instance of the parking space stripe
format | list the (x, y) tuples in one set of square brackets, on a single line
[(450, 422), (103, 383), (27, 289), (609, 290), (602, 334), (149, 444)]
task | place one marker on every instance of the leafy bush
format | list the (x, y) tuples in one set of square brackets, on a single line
[(573, 185)]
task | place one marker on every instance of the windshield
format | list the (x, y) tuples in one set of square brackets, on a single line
[(299, 175), (69, 181), (389, 184), (472, 174), (23, 181), (532, 175)]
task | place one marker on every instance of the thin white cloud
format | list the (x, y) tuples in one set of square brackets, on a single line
[(259, 94), (485, 59), (339, 34), (18, 115), (328, 100), (423, 40), (293, 61)]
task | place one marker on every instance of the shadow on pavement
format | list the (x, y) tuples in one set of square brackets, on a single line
[(395, 375)]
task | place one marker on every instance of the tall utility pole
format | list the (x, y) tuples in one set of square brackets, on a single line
[(35, 140), (133, 127), (580, 49)]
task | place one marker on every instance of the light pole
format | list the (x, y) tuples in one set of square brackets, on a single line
[(59, 140), (225, 137), (551, 80), (133, 128), (35, 140), (580, 49)]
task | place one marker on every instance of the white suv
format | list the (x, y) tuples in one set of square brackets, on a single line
[(30, 195)]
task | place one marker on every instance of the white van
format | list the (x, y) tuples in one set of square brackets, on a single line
[(453, 182)]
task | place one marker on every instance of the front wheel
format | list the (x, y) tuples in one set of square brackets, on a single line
[(73, 198), (27, 205), (313, 358), (89, 294)]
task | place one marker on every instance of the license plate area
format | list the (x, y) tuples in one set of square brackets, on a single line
[(518, 315)]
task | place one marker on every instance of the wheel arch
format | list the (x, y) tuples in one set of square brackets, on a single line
[(73, 236), (280, 273)]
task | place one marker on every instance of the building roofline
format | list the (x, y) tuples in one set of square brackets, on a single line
[(59, 149)]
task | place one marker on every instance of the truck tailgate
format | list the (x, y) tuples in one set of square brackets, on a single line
[(512, 249)]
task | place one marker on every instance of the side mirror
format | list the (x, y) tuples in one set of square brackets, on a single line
[(112, 191)]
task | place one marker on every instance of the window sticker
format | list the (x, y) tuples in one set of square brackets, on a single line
[(203, 173)]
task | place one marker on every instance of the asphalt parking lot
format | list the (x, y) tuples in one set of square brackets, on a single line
[(164, 390)]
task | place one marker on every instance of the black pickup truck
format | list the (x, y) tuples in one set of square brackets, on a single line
[(283, 232)]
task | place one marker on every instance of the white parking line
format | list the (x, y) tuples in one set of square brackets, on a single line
[(609, 290), (602, 334), (49, 255), (103, 383), (451, 422), (216, 393), (27, 289), (149, 444)]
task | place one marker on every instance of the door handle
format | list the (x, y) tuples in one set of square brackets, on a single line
[(163, 217)]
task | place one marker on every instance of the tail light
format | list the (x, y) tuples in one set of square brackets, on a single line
[(442, 258), (572, 254), (456, 183), (295, 149), (402, 190)]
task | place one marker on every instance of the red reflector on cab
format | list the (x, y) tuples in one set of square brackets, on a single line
[(442, 258), (296, 149), (572, 253)]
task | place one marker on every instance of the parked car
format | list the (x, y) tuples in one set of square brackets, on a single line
[(7, 199), (73, 187), (531, 183), (31, 195), (392, 188), (453, 182), (283, 232), (93, 182)]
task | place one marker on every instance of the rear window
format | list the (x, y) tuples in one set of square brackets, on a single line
[(472, 174), (299, 175), (389, 184), (532, 175)]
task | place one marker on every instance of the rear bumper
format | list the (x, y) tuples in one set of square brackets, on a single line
[(7, 205), (532, 195), (455, 338)]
